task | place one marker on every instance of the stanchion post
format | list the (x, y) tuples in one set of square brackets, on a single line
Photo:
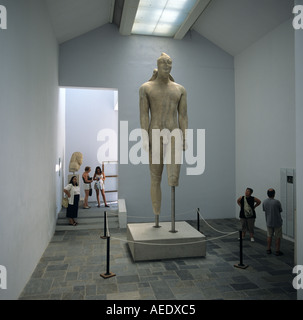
[(241, 265), (108, 274), (105, 217)]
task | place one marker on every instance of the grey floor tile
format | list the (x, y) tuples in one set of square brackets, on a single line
[(37, 287), (161, 290), (72, 263), (244, 286), (128, 279)]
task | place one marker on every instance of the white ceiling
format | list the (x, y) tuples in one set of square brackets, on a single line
[(72, 18), (233, 25)]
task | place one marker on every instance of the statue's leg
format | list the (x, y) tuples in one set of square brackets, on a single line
[(155, 189), (173, 173)]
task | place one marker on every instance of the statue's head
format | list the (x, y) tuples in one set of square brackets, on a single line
[(164, 64), (75, 161), (164, 58)]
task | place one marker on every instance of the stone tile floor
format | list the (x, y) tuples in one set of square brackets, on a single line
[(70, 269)]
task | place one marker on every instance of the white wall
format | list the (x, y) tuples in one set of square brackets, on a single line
[(265, 114), (299, 144), (28, 130), (103, 58), (88, 112), (60, 158)]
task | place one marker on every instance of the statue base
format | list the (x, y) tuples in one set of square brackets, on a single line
[(149, 243)]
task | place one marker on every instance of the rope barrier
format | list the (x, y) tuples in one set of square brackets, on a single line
[(173, 244), (226, 234), (107, 236), (211, 226)]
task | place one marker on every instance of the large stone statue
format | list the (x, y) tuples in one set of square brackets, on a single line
[(75, 162), (163, 106)]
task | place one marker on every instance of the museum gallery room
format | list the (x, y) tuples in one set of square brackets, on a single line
[(108, 83)]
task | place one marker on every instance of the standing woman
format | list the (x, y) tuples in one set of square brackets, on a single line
[(72, 190), (248, 204), (99, 177), (87, 186)]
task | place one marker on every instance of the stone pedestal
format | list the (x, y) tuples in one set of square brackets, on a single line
[(149, 243)]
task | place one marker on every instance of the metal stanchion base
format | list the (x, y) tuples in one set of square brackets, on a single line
[(103, 237), (107, 275), (173, 231), (241, 266)]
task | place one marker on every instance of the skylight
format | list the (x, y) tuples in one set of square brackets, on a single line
[(161, 17)]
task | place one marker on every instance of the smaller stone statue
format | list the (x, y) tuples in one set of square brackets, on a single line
[(75, 162)]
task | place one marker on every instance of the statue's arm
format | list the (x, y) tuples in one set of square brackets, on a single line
[(144, 117), (144, 109), (183, 119)]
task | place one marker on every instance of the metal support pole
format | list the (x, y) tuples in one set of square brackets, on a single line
[(173, 229), (105, 224), (157, 221), (108, 274), (241, 265)]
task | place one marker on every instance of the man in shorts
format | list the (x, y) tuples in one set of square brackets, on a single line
[(273, 209)]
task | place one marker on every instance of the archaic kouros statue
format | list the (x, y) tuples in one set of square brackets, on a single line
[(163, 115)]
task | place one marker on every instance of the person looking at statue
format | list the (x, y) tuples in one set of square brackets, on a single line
[(87, 180), (273, 208), (163, 106), (72, 190), (248, 205), (99, 177)]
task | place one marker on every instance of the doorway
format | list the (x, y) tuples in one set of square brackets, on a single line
[(91, 127), (288, 201)]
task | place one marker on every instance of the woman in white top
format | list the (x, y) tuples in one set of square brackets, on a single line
[(99, 177), (72, 190), (87, 180)]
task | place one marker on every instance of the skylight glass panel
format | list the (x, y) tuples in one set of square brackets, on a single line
[(161, 17)]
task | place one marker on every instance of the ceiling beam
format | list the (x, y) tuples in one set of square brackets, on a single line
[(128, 16), (194, 14)]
